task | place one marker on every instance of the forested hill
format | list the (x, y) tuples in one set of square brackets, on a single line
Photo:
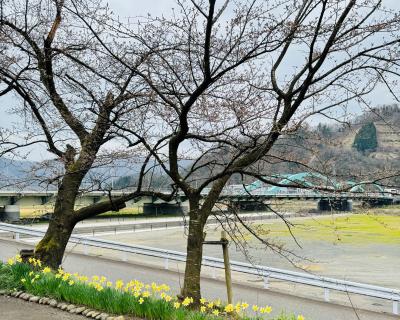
[(370, 144), (385, 121), (367, 148)]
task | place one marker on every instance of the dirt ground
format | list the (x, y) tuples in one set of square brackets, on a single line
[(16, 309)]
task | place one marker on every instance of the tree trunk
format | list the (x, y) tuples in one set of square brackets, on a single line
[(50, 250), (191, 285)]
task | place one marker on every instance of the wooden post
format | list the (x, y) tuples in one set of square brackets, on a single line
[(228, 277)]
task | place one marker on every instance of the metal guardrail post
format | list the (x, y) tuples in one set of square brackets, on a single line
[(326, 294), (266, 280), (395, 307), (124, 257), (166, 263)]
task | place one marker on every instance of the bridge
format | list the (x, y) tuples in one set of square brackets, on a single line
[(329, 194)]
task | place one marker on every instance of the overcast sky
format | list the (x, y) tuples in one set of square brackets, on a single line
[(132, 8)]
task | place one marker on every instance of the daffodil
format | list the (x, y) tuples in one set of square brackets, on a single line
[(229, 308), (237, 307), (266, 309), (119, 284), (46, 270), (300, 317), (187, 301)]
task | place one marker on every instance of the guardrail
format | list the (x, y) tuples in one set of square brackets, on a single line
[(265, 272)]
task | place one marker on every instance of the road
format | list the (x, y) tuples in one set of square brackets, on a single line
[(106, 226), (211, 288), (16, 309)]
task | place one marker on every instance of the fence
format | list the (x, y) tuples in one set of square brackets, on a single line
[(265, 272)]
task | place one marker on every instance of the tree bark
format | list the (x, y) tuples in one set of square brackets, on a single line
[(191, 285), (50, 250)]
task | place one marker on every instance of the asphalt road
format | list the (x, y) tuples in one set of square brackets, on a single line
[(311, 309), (16, 309)]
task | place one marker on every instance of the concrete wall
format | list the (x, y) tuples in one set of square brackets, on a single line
[(29, 201), (9, 213)]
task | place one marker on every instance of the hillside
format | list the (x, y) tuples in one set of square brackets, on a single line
[(388, 137), (325, 148)]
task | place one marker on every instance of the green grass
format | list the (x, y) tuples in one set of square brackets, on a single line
[(357, 229), (96, 294)]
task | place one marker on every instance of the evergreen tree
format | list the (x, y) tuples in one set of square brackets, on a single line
[(366, 139)]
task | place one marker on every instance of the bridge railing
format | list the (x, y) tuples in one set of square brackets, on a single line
[(265, 272)]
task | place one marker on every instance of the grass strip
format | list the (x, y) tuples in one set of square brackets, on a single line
[(148, 301)]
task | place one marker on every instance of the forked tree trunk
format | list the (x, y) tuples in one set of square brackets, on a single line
[(191, 285)]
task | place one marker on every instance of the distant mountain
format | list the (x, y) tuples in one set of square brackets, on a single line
[(14, 168), (119, 173)]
